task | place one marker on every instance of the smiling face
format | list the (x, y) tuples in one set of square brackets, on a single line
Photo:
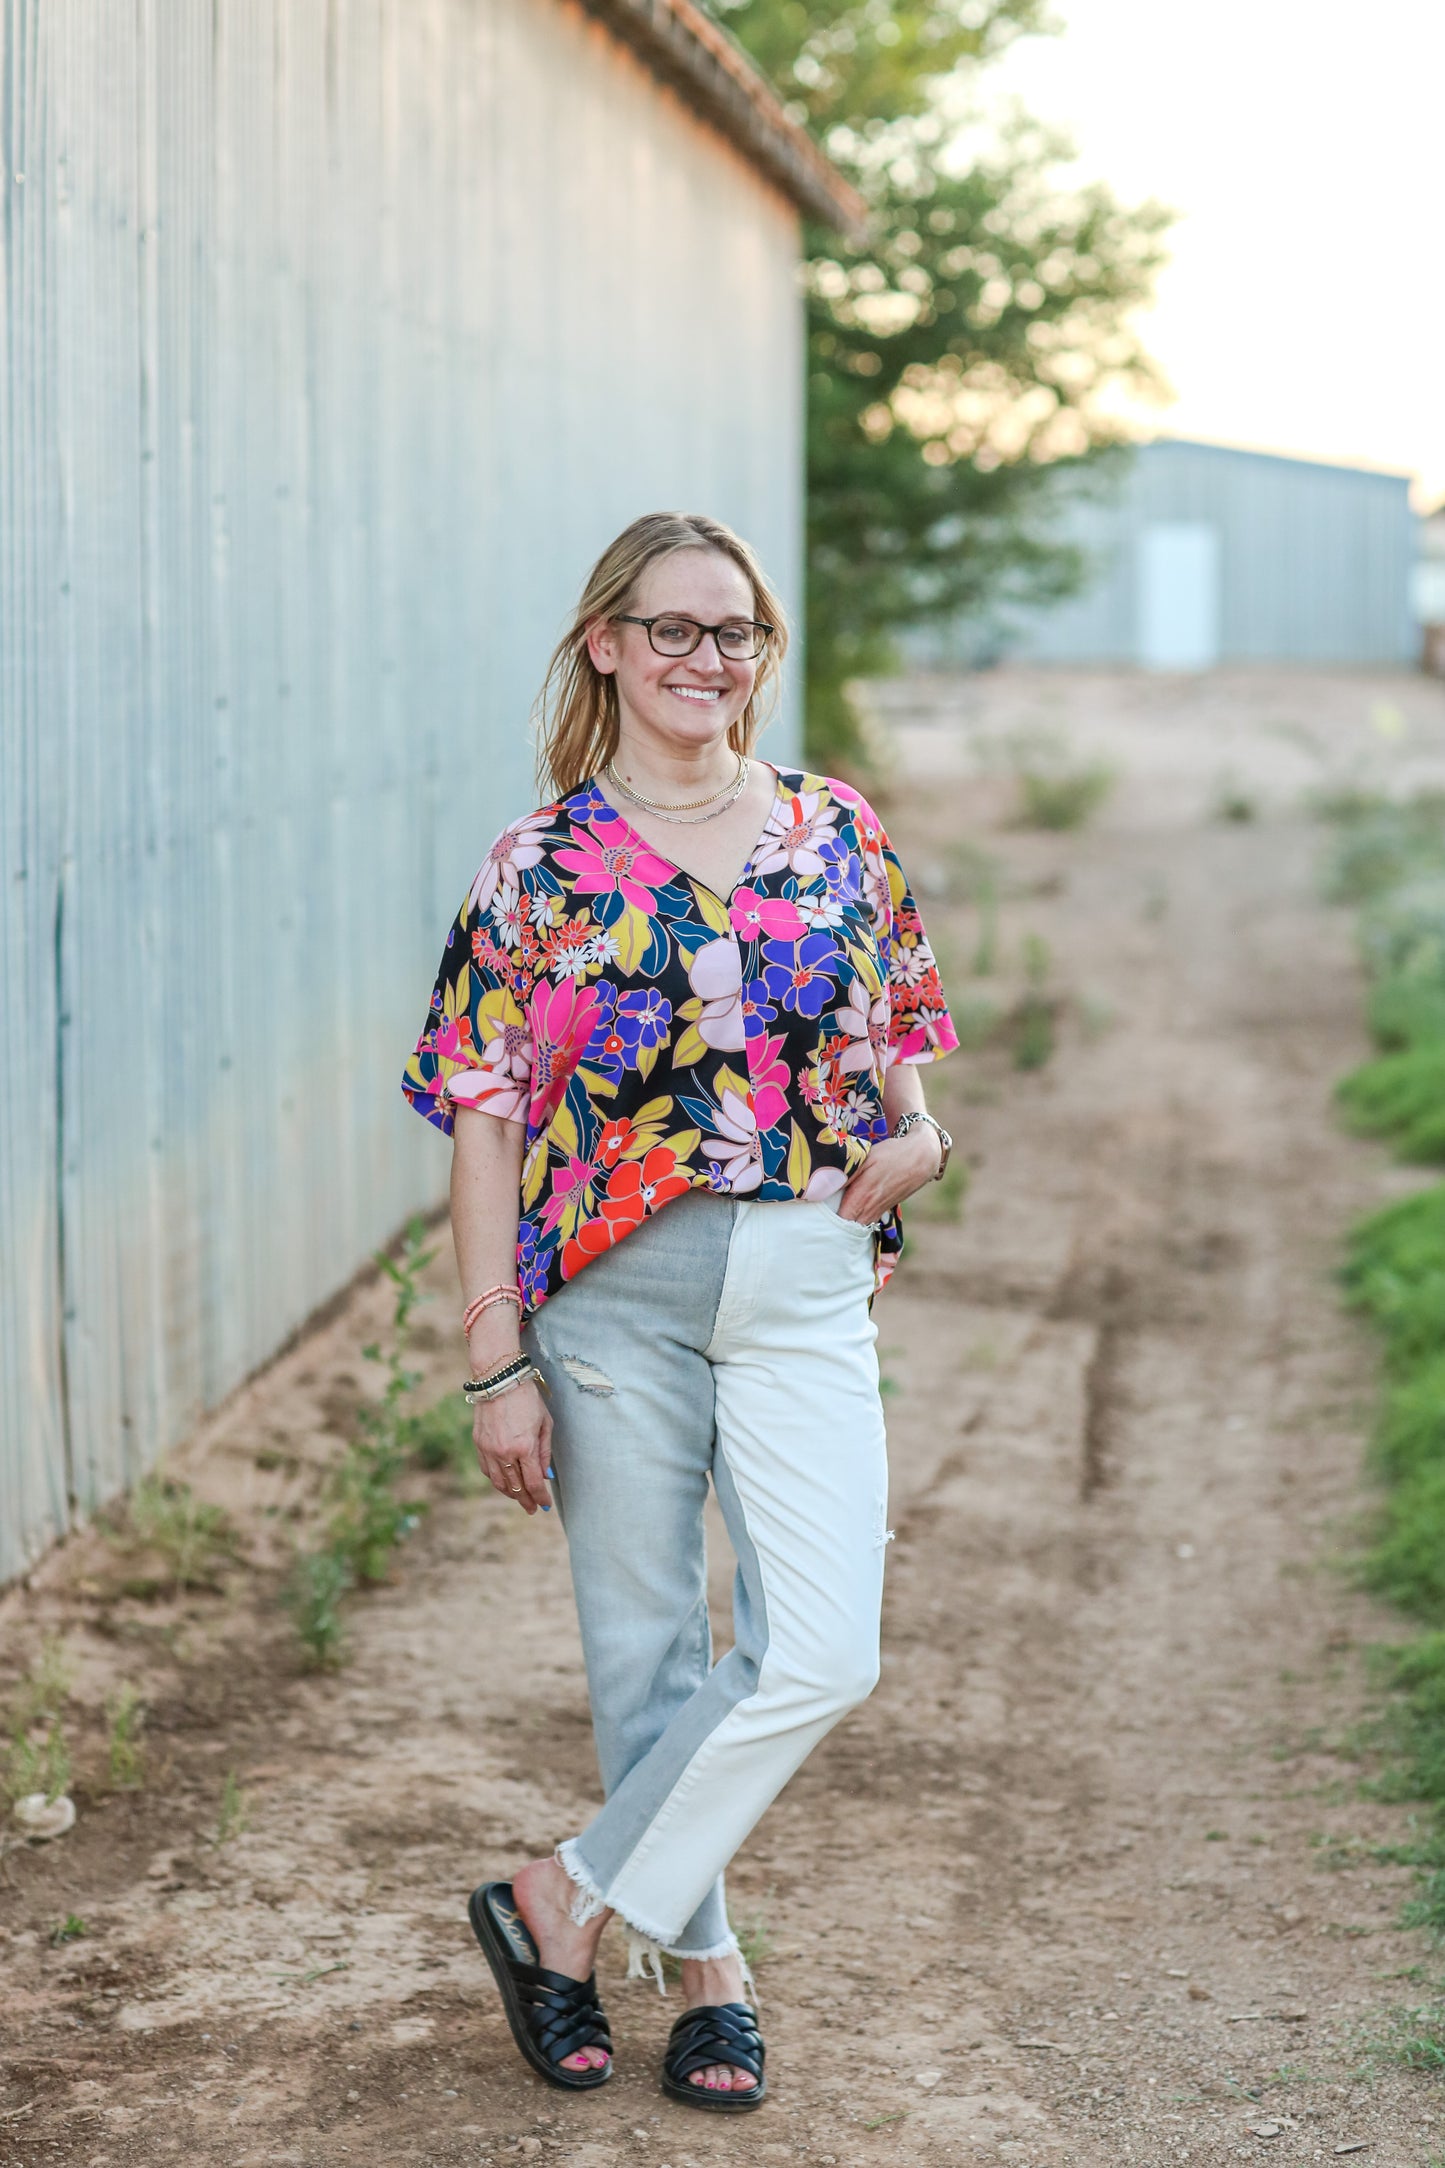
[(678, 706)]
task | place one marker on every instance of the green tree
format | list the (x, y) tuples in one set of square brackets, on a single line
[(959, 350)]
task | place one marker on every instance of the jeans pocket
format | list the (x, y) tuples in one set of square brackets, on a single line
[(851, 1229)]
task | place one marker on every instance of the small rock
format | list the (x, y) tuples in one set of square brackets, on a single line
[(1199, 1994), (1356, 2145), (926, 2078), (1295, 2014), (352, 2093), (42, 1818), (529, 2148), (1264, 2130)]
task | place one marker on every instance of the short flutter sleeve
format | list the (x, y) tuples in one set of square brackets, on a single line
[(476, 1049), (919, 1026)]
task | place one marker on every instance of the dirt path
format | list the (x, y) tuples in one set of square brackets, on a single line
[(1089, 1880)]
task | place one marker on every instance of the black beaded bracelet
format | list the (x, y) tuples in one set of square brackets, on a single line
[(512, 1372)]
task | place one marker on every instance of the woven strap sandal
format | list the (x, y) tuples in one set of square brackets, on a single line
[(551, 2016), (716, 2032)]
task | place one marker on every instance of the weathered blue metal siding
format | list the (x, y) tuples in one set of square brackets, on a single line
[(1315, 563), (336, 337)]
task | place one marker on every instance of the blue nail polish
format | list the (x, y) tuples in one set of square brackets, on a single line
[(551, 1475), (546, 1505)]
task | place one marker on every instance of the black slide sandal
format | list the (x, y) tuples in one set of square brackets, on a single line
[(551, 2016), (716, 2032)]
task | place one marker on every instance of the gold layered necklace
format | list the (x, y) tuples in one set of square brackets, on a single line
[(685, 813)]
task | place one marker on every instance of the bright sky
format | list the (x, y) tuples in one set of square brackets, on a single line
[(1303, 142)]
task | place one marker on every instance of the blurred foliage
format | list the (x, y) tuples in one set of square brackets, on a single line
[(957, 349), (861, 66), (1062, 794), (38, 1755), (1390, 858)]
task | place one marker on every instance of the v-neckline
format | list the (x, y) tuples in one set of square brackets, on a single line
[(696, 878)]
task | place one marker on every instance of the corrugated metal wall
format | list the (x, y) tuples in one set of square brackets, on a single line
[(336, 337), (1315, 563)]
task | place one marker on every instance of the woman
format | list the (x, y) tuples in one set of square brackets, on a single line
[(676, 1038)]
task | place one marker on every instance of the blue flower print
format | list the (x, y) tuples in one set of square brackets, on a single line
[(795, 974), (758, 1011), (643, 1018), (532, 1269), (844, 873)]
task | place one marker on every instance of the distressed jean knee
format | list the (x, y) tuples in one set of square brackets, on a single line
[(587, 1377)]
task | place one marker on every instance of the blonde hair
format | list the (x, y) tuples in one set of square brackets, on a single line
[(576, 714)]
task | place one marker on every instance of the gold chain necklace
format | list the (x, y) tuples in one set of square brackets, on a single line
[(727, 791)]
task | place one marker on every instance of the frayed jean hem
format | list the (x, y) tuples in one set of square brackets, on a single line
[(646, 1944)]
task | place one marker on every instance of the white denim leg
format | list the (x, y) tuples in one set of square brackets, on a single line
[(801, 1474)]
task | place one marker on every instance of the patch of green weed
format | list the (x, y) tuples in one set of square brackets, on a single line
[(755, 1938), (125, 1759), (1406, 1012), (38, 1756), (1232, 802), (1057, 794), (235, 1810), (318, 1583), (943, 1199), (976, 1020), (193, 1538), (1401, 1096), (441, 1437)]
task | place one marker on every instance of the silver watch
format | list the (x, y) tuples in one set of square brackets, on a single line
[(911, 1121)]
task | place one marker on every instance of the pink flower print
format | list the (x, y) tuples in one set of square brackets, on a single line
[(865, 1022), (768, 1074), (797, 825), (621, 867), (575, 1174), (736, 1151), (491, 1093), (716, 973), (758, 917), (515, 849), (562, 1019), (453, 1039)]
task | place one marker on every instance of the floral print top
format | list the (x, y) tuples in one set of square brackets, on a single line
[(655, 1037)]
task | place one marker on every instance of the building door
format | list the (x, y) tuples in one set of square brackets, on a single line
[(1179, 595)]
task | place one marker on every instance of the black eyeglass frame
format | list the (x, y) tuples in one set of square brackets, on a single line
[(679, 617)]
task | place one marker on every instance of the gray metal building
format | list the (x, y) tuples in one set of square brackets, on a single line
[(336, 337), (1205, 554)]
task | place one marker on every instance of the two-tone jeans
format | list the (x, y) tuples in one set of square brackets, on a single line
[(725, 1338)]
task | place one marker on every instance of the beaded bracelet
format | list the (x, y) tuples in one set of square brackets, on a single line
[(485, 1301), (516, 1372)]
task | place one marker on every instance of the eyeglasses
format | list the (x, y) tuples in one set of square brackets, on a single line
[(740, 639)]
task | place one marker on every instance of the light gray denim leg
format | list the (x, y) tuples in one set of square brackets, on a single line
[(631, 1398)]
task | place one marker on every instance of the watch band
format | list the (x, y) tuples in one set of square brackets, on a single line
[(911, 1121)]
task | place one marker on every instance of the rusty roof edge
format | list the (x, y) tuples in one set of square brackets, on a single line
[(711, 71)]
